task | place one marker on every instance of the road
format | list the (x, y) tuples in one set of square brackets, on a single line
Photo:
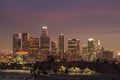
[(25, 75), (81, 77), (15, 75)]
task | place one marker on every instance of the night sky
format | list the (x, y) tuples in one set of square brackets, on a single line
[(82, 19)]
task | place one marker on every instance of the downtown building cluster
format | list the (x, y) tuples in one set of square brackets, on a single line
[(39, 49)]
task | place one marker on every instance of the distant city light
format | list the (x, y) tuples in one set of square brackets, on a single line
[(61, 34), (30, 45), (44, 27), (98, 42), (118, 53), (90, 39)]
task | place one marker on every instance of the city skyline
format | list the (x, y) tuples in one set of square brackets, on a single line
[(80, 19)]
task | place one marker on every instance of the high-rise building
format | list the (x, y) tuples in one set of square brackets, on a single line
[(53, 47), (74, 46), (17, 42), (98, 49), (44, 41), (25, 42), (107, 55), (91, 49), (91, 44), (21, 42), (85, 52), (61, 45), (97, 45), (73, 50), (34, 46)]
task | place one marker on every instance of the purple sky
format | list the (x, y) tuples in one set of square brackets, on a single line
[(99, 19)]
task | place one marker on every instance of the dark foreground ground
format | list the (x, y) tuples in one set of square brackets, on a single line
[(27, 76), (81, 77)]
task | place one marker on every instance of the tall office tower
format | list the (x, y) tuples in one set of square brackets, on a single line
[(61, 45), (97, 45), (85, 52), (98, 49), (44, 41), (74, 46), (34, 46), (53, 47), (25, 42), (107, 55), (17, 42), (91, 49), (91, 43)]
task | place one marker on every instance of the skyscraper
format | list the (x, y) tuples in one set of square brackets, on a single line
[(61, 45), (97, 45), (98, 49), (74, 46), (34, 46), (107, 55), (73, 50), (25, 42), (17, 42), (21, 42), (53, 47), (91, 49), (91, 44), (44, 41), (85, 52)]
